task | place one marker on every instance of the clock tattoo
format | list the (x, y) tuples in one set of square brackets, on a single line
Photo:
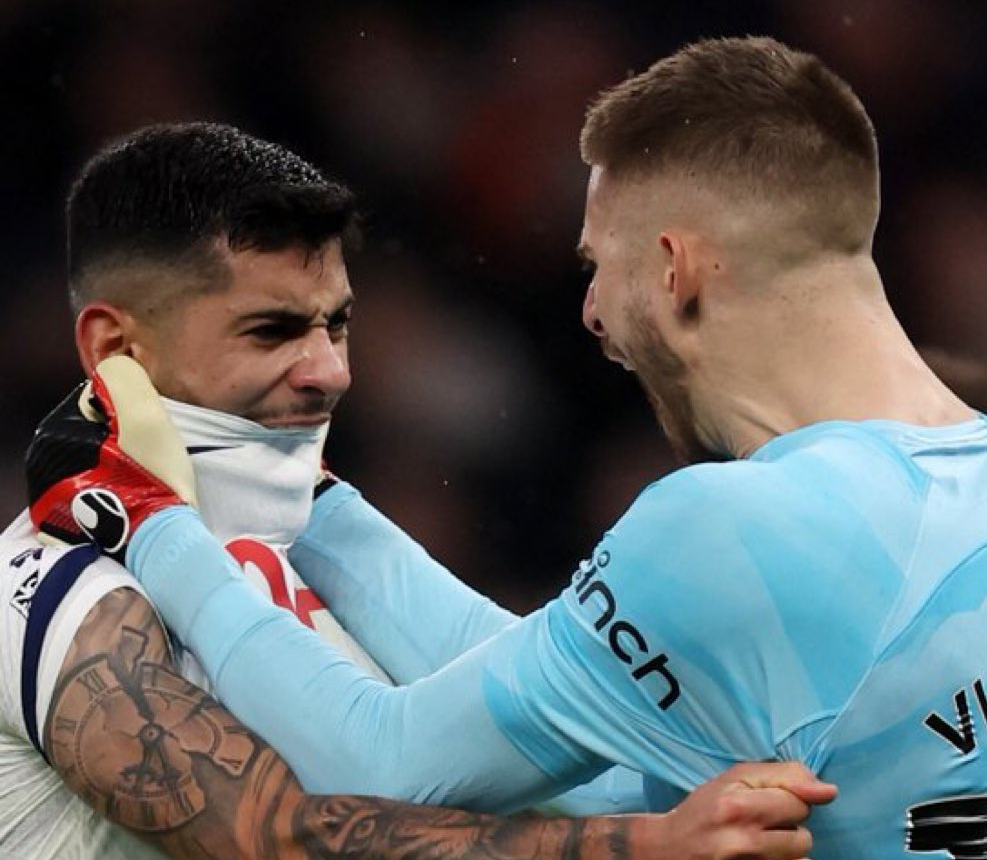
[(160, 718), (152, 752)]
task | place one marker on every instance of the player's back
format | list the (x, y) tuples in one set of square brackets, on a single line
[(817, 602), (907, 747)]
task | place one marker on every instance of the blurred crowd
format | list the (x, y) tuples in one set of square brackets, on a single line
[(482, 418)]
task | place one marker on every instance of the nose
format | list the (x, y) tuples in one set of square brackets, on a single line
[(322, 365), (590, 319)]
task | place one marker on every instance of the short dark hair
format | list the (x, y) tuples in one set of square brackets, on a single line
[(752, 112), (162, 195)]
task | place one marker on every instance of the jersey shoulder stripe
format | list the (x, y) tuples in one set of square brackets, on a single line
[(51, 591)]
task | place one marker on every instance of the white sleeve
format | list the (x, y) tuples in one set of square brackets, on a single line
[(47, 592)]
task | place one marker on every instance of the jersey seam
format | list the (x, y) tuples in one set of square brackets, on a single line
[(875, 659), (831, 714)]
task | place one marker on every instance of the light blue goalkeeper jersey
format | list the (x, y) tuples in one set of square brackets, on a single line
[(822, 601)]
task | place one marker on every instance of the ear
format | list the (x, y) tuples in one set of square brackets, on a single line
[(102, 330), (680, 274)]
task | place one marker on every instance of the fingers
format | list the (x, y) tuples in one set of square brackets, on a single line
[(764, 806), (784, 844), (749, 812), (685, 834), (763, 823), (789, 775), (117, 379), (143, 429), (792, 844), (769, 808), (97, 404), (89, 404)]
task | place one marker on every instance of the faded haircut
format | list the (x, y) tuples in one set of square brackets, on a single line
[(750, 118), (157, 201)]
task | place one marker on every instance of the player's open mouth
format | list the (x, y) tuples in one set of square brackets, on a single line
[(614, 354)]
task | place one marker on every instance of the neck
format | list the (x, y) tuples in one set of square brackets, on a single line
[(825, 346)]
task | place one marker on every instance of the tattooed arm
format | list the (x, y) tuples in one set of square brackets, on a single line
[(154, 753)]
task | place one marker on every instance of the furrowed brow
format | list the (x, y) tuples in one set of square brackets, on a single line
[(293, 317), (276, 315)]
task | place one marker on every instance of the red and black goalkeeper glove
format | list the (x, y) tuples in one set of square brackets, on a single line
[(105, 459)]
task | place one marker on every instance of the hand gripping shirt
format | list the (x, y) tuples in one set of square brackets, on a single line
[(822, 601)]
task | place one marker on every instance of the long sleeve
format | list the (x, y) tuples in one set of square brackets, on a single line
[(398, 602), (339, 729), (415, 616)]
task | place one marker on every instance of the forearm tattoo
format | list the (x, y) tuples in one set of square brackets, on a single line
[(152, 752), (350, 827)]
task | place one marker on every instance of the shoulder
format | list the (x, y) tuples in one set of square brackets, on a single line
[(831, 473), (845, 451), (34, 575), (699, 504), (46, 592), (811, 518), (723, 580)]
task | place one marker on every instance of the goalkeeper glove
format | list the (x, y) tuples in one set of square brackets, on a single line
[(105, 459)]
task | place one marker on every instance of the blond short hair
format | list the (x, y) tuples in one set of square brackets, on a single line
[(747, 116)]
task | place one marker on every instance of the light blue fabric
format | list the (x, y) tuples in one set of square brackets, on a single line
[(398, 602), (822, 601), (339, 730), (818, 602), (414, 616)]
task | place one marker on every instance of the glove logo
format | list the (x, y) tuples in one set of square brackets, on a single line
[(102, 516)]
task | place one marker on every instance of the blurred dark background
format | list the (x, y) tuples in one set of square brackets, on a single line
[(482, 417)]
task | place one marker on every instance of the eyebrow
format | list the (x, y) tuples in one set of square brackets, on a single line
[(293, 317)]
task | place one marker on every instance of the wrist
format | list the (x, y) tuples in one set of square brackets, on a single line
[(141, 493), (629, 837)]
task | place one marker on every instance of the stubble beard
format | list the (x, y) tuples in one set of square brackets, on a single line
[(661, 374)]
